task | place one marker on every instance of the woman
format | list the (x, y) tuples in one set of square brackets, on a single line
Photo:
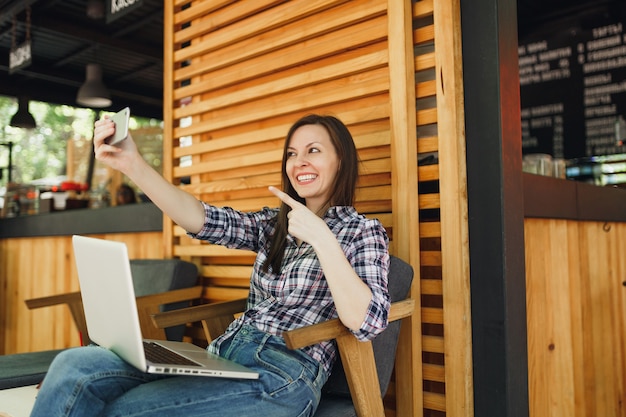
[(317, 258)]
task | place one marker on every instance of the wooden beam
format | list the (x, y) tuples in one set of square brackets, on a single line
[(457, 326), (409, 398)]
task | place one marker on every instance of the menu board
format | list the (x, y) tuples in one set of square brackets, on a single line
[(573, 92)]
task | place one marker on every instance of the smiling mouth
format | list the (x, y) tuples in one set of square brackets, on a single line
[(306, 178)]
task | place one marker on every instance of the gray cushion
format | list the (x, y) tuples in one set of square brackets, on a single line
[(153, 276), (336, 390), (333, 406), (22, 369)]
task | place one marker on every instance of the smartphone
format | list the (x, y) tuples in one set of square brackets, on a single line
[(120, 119)]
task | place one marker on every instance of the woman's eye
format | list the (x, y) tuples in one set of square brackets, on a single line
[(314, 150), (291, 154)]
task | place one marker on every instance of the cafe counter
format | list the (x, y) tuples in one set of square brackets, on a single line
[(130, 218), (575, 260), (548, 197), (37, 260)]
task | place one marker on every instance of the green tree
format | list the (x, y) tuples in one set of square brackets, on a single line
[(42, 152)]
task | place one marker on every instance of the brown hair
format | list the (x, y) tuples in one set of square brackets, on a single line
[(343, 189)]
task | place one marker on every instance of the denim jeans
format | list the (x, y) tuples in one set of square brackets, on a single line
[(92, 381)]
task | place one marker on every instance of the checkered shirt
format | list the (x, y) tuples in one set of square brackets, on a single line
[(298, 294)]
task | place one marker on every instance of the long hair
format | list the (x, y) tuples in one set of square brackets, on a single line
[(343, 189)]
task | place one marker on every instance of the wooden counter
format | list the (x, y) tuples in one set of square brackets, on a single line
[(145, 217), (554, 198), (36, 260), (575, 245)]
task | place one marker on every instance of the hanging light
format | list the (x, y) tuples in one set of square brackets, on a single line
[(93, 93), (22, 118)]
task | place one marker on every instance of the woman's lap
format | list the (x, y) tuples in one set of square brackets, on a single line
[(94, 381)]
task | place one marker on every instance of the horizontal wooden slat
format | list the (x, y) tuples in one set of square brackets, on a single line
[(229, 163), (424, 34), (213, 3), (233, 141), (426, 117), (428, 201), (430, 229), (368, 207), (431, 287), (434, 401), (208, 250), (428, 172), (374, 193), (430, 258), (227, 282), (422, 8), (427, 144), (226, 271), (433, 372), (432, 344), (426, 89), (221, 293), (235, 184), (424, 61), (432, 315)]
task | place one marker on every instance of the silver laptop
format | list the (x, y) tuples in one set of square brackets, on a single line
[(112, 321)]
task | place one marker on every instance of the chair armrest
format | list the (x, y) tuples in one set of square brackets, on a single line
[(172, 296), (357, 357), (332, 329), (215, 317), (74, 302), (52, 300), (148, 305)]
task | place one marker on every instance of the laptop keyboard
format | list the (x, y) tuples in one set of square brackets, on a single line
[(159, 354)]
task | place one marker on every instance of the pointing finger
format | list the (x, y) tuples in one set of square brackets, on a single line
[(284, 197)]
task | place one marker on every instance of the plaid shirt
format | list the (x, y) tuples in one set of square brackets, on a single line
[(298, 294)]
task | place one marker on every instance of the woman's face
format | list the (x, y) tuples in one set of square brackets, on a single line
[(312, 165)]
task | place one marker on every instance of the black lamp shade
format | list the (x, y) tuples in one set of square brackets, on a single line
[(22, 118)]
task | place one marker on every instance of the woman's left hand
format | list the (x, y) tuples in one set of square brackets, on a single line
[(303, 223)]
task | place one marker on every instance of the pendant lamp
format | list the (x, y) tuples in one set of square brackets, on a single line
[(22, 118), (93, 93)]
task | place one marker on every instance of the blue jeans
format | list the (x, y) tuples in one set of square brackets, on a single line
[(92, 381)]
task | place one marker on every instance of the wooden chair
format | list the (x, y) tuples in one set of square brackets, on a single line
[(360, 378), (160, 285)]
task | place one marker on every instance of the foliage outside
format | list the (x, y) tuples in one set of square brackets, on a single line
[(41, 153)]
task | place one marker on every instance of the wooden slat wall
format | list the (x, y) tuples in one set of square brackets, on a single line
[(237, 74), (43, 266)]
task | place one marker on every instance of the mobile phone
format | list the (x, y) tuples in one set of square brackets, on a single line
[(120, 119)]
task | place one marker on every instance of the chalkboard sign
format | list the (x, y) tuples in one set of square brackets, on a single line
[(573, 91)]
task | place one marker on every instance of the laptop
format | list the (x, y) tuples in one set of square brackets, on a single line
[(106, 287)]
